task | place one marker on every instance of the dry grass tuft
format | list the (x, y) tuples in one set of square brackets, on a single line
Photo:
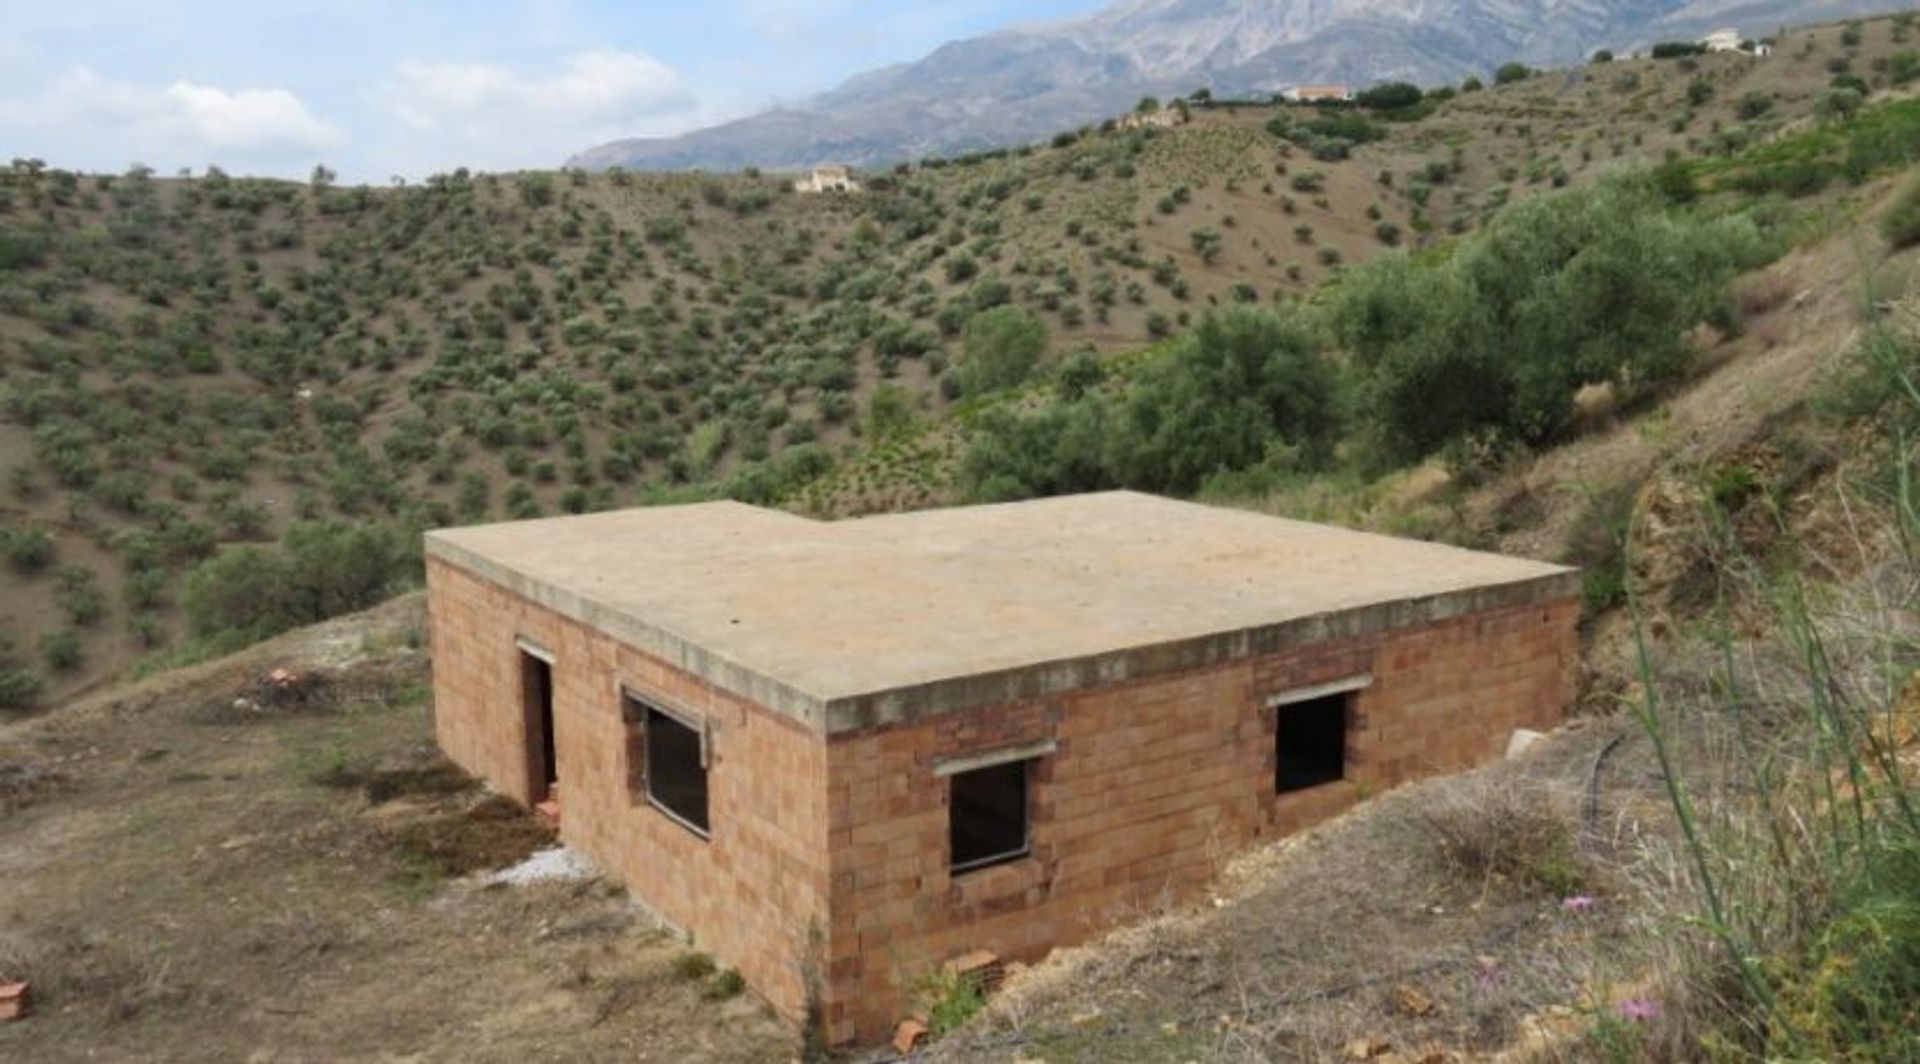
[(66, 964), (1500, 832)]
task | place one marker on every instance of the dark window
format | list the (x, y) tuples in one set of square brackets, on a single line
[(1310, 743), (987, 815), (676, 761)]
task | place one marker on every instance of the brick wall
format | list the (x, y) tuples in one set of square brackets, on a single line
[(1152, 785), (754, 895), (831, 856)]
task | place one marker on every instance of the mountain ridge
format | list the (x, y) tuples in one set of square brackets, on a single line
[(1023, 83)]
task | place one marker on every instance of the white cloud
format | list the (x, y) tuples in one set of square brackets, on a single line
[(587, 89), (87, 119), (499, 116)]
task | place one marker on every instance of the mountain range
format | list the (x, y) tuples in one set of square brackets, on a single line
[(1026, 83)]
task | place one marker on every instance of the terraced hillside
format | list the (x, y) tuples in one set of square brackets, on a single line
[(190, 365)]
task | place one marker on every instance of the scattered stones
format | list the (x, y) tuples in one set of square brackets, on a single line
[(556, 865), (1522, 740), (1412, 1002), (1368, 1049)]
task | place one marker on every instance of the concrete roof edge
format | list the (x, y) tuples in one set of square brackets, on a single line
[(840, 714), (880, 709), (683, 654)]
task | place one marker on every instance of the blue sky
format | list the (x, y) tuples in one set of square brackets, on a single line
[(406, 88)]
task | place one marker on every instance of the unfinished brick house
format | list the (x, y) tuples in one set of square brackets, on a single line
[(839, 754)]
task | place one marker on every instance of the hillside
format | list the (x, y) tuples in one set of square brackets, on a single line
[(208, 863), (1553, 907), (1026, 83), (191, 365), (1657, 319)]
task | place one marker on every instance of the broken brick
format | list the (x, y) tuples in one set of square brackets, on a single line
[(16, 1001), (981, 968), (908, 1036)]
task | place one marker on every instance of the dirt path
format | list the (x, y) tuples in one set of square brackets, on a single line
[(191, 878)]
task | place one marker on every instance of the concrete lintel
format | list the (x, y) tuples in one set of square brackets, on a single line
[(1320, 690), (954, 766)]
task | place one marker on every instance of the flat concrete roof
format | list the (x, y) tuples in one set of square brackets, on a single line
[(852, 624)]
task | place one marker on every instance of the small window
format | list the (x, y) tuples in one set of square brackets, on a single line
[(987, 815), (675, 755), (1310, 743)]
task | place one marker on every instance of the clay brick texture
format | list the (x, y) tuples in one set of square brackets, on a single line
[(754, 893), (826, 878)]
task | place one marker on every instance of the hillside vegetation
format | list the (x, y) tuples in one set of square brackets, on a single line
[(1656, 318), (228, 405)]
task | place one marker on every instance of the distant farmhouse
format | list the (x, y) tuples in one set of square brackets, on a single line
[(1320, 94), (1729, 40), (1164, 118), (827, 179), (841, 755)]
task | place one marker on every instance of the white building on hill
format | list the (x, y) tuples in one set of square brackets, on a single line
[(1731, 41), (1320, 94), (1722, 41), (827, 179)]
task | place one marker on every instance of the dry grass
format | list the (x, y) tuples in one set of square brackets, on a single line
[(1509, 834), (1365, 927), (283, 887)]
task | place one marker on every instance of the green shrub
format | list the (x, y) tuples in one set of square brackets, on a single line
[(1856, 1001), (1245, 387), (1597, 285), (80, 596), (1206, 244), (1511, 73), (1000, 349), (1903, 66), (28, 550), (1390, 96), (1755, 104), (1901, 223), (693, 965), (950, 999), (1678, 49), (890, 413), (22, 248), (19, 688), (726, 985), (61, 648), (319, 570)]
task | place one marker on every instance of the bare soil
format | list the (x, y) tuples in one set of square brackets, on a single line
[(210, 867)]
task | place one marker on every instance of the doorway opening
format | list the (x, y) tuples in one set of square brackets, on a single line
[(536, 693)]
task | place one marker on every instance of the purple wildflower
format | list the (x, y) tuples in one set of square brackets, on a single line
[(1579, 903), (1640, 1010)]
